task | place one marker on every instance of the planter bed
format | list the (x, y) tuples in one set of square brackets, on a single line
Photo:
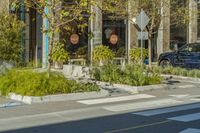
[(181, 77), (56, 98), (132, 89)]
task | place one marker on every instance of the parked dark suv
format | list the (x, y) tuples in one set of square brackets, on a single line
[(188, 56)]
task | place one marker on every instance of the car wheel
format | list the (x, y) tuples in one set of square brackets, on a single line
[(165, 63)]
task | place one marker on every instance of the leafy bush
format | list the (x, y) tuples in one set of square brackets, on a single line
[(27, 82), (120, 52), (178, 71), (10, 37), (131, 75), (108, 73), (137, 76), (82, 51), (102, 54), (135, 55), (59, 53)]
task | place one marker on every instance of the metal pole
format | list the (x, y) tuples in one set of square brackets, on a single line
[(141, 46)]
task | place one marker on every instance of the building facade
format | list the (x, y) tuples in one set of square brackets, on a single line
[(118, 34)]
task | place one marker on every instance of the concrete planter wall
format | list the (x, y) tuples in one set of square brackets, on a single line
[(76, 71), (181, 78), (132, 89), (61, 97), (58, 65)]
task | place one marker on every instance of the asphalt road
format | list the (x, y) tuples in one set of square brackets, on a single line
[(173, 110), (125, 123)]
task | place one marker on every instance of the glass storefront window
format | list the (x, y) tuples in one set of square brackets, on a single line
[(114, 32), (76, 42)]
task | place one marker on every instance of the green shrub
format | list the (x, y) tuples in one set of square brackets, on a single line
[(102, 54), (108, 73), (183, 72), (27, 82), (130, 75), (178, 71), (135, 55), (191, 73), (59, 53), (198, 73), (10, 38), (167, 70), (138, 76), (82, 51), (120, 52)]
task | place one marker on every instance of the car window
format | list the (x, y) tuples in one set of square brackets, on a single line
[(186, 48), (196, 48), (190, 48)]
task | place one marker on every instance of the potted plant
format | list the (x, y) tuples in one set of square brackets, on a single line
[(102, 55), (135, 55), (120, 52), (59, 55)]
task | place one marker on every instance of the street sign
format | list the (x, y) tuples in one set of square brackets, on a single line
[(142, 20), (142, 35)]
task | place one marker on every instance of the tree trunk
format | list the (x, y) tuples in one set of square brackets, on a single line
[(52, 29)]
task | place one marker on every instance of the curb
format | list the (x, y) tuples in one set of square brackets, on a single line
[(56, 98), (181, 78), (132, 89)]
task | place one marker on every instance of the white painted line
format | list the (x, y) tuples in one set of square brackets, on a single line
[(186, 118), (142, 105), (116, 99), (191, 130), (179, 96), (186, 86), (167, 110), (195, 99)]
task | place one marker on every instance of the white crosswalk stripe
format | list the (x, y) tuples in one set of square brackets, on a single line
[(186, 118), (142, 105), (167, 110), (191, 130), (116, 99), (186, 86)]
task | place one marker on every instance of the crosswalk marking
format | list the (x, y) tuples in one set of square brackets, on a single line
[(116, 99), (191, 130), (186, 86), (142, 105), (186, 118), (179, 96), (167, 110)]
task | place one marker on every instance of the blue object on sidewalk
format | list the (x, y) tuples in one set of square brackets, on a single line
[(146, 61)]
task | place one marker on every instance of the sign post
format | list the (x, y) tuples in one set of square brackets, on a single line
[(142, 21)]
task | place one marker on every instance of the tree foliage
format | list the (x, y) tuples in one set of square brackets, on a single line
[(177, 12), (10, 37)]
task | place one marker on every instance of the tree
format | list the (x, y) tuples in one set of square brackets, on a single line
[(157, 11), (10, 37), (61, 15)]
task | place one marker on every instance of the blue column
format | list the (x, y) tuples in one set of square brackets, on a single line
[(45, 40)]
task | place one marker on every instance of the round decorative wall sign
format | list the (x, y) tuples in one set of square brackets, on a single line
[(74, 39), (114, 39)]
